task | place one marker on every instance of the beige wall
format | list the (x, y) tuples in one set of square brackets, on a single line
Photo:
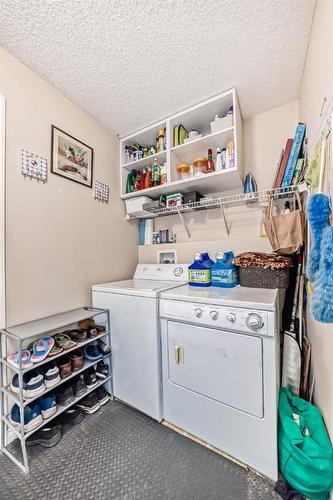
[(264, 136), (316, 85), (59, 241)]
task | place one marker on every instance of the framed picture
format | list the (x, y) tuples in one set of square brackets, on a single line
[(71, 158)]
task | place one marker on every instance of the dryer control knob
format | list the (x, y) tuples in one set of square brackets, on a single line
[(214, 315), (198, 312), (231, 317), (254, 322)]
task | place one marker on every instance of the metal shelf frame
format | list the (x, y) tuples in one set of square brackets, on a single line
[(21, 334), (224, 203)]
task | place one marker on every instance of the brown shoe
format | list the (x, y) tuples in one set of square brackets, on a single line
[(65, 366), (86, 323), (77, 360)]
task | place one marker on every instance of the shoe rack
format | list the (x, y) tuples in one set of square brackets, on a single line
[(17, 338)]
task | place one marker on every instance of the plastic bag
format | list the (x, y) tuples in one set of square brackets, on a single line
[(305, 450)]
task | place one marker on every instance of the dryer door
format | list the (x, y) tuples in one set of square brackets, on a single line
[(223, 366)]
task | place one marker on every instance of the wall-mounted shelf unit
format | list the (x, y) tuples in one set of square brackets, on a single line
[(198, 118), (253, 199)]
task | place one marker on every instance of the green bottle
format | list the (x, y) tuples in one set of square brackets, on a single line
[(130, 181)]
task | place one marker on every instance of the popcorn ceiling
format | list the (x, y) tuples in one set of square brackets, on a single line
[(131, 62)]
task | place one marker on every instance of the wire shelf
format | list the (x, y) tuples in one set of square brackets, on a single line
[(225, 202)]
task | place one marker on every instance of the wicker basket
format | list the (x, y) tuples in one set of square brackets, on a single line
[(258, 277)]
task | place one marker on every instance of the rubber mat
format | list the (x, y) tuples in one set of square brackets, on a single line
[(119, 453)]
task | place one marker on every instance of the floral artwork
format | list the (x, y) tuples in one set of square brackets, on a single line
[(71, 158)]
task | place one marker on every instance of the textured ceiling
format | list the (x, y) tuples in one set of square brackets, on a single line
[(131, 62)]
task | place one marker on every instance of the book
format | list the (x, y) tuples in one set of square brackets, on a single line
[(278, 167), (294, 154), (283, 164), (298, 171)]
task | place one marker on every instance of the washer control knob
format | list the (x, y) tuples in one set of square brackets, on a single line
[(254, 322), (214, 315), (231, 317), (198, 312)]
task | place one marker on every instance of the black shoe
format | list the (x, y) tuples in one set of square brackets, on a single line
[(102, 370), (72, 416), (47, 436), (103, 347), (79, 386), (89, 404), (90, 378), (65, 395), (102, 396)]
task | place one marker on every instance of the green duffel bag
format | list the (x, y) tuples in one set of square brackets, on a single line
[(305, 450)]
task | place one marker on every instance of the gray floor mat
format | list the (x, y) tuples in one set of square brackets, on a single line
[(119, 453)]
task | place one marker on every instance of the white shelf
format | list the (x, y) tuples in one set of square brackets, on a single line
[(48, 359), (197, 117), (214, 182), (50, 323), (60, 410), (198, 147), (15, 397), (145, 162)]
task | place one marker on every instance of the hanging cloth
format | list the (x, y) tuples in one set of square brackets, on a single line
[(313, 172), (318, 212), (320, 263)]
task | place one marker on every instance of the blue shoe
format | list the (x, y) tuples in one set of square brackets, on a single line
[(92, 352), (51, 374), (33, 384), (32, 416), (48, 405)]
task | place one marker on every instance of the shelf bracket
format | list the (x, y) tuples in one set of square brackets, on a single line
[(227, 228), (184, 223)]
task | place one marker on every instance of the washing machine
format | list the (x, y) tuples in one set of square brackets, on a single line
[(220, 363), (135, 333)]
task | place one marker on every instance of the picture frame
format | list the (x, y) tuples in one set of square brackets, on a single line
[(71, 158)]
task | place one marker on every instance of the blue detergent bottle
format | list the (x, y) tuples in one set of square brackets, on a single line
[(224, 272), (206, 259), (199, 274)]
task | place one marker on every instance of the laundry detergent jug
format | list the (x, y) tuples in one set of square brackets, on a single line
[(199, 273), (224, 272), (206, 259)]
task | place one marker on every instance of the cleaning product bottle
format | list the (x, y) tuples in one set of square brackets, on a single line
[(206, 259), (199, 274), (210, 162), (230, 155), (224, 272), (148, 179), (130, 181), (218, 161), (156, 173), (161, 140)]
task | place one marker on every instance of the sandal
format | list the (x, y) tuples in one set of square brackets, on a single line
[(77, 335), (55, 350), (63, 340), (41, 349), (13, 359)]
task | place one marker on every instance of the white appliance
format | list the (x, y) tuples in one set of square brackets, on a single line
[(220, 357), (135, 333)]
